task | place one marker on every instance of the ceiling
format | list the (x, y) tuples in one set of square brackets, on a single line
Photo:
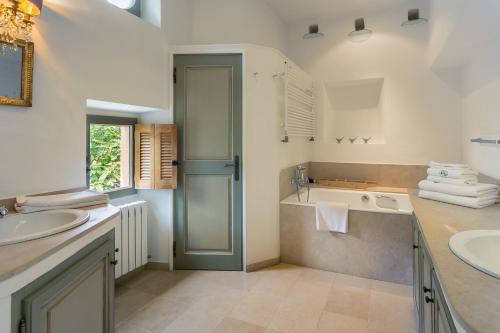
[(292, 11)]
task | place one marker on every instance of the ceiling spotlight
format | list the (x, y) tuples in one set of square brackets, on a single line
[(414, 18), (360, 33), (313, 32)]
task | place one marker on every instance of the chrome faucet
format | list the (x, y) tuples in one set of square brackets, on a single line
[(301, 180), (3, 211)]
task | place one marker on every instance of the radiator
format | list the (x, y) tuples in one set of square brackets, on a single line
[(131, 238)]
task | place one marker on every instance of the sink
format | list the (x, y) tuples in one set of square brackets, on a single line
[(480, 249), (17, 228)]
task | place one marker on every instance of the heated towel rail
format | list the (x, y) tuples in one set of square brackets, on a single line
[(300, 108)]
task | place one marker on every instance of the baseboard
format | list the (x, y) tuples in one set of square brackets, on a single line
[(161, 266), (262, 264)]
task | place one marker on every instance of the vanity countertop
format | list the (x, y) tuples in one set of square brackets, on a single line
[(16, 258), (473, 295)]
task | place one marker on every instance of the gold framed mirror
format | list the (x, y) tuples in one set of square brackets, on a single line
[(16, 74)]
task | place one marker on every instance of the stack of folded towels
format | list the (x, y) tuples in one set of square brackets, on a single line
[(457, 184), (31, 204)]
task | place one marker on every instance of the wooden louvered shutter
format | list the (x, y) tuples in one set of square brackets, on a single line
[(165, 156), (144, 156)]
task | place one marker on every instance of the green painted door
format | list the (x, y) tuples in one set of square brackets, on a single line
[(208, 200)]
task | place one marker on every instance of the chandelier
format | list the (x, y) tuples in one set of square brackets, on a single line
[(16, 25)]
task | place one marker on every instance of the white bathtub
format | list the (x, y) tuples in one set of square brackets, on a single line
[(394, 203)]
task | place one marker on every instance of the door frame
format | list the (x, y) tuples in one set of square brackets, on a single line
[(211, 50)]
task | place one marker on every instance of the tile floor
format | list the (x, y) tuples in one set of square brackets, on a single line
[(283, 298)]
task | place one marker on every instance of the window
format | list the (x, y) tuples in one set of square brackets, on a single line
[(110, 154), (132, 6)]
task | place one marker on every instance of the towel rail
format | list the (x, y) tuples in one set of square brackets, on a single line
[(485, 141)]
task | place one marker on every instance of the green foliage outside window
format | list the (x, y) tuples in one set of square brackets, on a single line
[(104, 157)]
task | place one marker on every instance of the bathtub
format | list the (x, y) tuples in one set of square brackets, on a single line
[(393, 203)]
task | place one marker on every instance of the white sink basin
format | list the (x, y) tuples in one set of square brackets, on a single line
[(480, 249), (19, 228)]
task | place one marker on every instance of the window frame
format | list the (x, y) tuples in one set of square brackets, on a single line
[(118, 121)]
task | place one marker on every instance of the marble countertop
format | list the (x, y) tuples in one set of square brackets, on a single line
[(16, 258), (473, 295)]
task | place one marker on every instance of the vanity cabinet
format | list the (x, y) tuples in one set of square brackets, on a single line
[(433, 313), (77, 296)]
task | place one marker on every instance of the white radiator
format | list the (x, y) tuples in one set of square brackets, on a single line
[(131, 238), (300, 108)]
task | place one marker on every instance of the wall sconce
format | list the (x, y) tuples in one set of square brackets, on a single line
[(16, 23), (414, 18), (313, 32), (360, 33)]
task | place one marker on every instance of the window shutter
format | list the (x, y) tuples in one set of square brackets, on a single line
[(155, 157), (144, 157), (165, 156)]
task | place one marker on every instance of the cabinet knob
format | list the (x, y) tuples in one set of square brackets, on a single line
[(415, 246), (117, 250), (427, 290), (114, 262), (428, 299)]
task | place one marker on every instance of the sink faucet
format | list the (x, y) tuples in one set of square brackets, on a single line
[(3, 211), (301, 180)]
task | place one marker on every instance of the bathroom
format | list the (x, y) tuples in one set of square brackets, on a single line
[(303, 199)]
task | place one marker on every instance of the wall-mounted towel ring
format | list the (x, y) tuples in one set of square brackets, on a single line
[(352, 140), (339, 140)]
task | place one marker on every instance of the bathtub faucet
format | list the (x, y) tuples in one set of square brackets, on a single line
[(301, 180)]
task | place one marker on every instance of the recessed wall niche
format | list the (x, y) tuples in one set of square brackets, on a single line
[(352, 109)]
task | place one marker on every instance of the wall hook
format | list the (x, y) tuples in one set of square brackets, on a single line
[(339, 140), (366, 140), (353, 139)]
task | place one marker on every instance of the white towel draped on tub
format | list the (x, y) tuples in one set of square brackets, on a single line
[(332, 216)]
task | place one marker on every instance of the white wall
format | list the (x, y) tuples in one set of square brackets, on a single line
[(420, 114), (224, 22), (83, 49)]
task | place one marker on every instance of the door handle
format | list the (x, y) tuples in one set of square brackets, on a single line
[(236, 166)]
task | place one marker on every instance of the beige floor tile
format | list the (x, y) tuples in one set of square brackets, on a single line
[(391, 314), (156, 282), (317, 276), (231, 325), (296, 317), (273, 285), (349, 301), (129, 302), (352, 281), (283, 271), (401, 290), (193, 321), (257, 309), (221, 303), (158, 315), (310, 292), (129, 328), (189, 291), (337, 323)]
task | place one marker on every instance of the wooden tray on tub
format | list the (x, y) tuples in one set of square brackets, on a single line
[(349, 184)]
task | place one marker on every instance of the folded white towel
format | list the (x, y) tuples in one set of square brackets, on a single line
[(478, 190), (332, 216), (61, 199), (448, 165), (32, 209), (451, 173), (458, 200), (472, 180)]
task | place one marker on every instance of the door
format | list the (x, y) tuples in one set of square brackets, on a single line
[(443, 321), (426, 295), (208, 208)]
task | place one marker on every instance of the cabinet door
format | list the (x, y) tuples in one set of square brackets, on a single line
[(79, 300), (425, 290), (416, 266), (442, 320)]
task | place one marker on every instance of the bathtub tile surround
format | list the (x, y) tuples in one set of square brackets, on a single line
[(378, 245), (391, 175), (308, 300)]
